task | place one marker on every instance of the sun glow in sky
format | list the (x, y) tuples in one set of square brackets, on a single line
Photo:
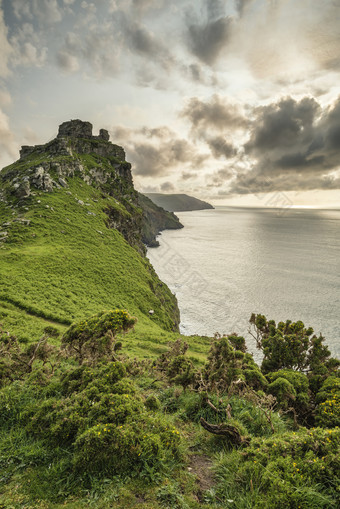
[(236, 102)]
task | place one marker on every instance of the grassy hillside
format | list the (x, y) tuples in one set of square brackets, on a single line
[(118, 410), (62, 259)]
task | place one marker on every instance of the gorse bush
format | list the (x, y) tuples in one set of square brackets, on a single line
[(328, 399), (226, 364), (298, 469), (131, 426), (93, 338), (291, 389)]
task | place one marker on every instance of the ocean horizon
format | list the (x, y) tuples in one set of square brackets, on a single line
[(229, 262)]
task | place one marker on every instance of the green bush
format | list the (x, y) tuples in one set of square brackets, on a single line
[(225, 365), (90, 399), (290, 345), (140, 444), (92, 339), (328, 399), (299, 469), (291, 389), (181, 371), (152, 402)]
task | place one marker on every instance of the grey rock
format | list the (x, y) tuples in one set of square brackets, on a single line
[(62, 182), (23, 190), (80, 202), (75, 129)]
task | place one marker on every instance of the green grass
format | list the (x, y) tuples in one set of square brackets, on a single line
[(67, 265)]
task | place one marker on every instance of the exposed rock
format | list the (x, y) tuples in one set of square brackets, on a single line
[(23, 221), (62, 182), (42, 180), (104, 135), (156, 219), (23, 190), (76, 129)]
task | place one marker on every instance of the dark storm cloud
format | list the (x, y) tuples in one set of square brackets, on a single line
[(296, 146), (158, 151), (216, 113), (143, 42), (283, 125), (206, 39), (219, 147)]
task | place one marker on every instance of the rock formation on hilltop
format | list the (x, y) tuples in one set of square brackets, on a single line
[(77, 153)]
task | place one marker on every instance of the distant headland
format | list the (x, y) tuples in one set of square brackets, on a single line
[(178, 202)]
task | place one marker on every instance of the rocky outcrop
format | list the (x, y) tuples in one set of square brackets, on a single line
[(156, 219), (76, 152), (75, 137)]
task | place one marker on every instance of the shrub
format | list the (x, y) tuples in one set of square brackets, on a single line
[(290, 345), (288, 470), (283, 390), (152, 403), (328, 399), (93, 338), (90, 398), (225, 365), (102, 376), (181, 371), (139, 444)]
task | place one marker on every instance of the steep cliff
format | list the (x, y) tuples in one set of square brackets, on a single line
[(71, 233), (156, 219)]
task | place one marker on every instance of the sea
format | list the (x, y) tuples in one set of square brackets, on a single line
[(229, 262)]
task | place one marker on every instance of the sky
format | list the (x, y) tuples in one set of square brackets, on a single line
[(236, 102)]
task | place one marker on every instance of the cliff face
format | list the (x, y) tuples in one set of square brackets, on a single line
[(156, 219), (65, 209)]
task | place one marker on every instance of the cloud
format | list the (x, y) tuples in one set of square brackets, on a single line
[(217, 113), (241, 5), (220, 147), (67, 61), (144, 43), (167, 186), (46, 12), (8, 145), (158, 151), (294, 145), (6, 49), (27, 48), (206, 40)]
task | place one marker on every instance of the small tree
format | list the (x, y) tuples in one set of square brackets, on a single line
[(227, 364), (290, 345), (93, 338)]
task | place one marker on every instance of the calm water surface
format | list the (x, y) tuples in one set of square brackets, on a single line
[(230, 262)]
